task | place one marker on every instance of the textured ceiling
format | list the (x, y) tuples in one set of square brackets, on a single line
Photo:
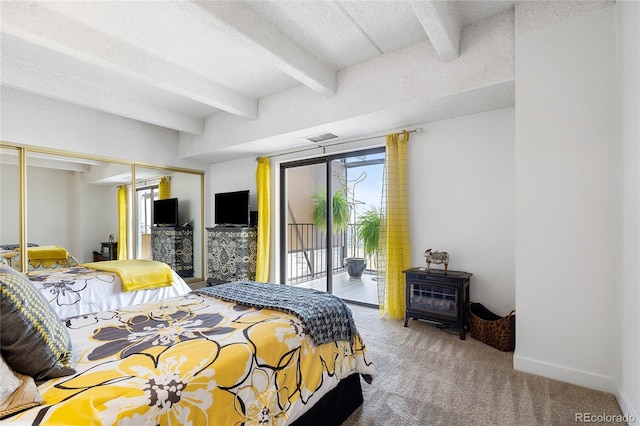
[(179, 64)]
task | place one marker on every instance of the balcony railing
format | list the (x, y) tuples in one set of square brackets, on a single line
[(307, 252)]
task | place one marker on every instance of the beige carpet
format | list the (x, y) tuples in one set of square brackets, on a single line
[(426, 376)]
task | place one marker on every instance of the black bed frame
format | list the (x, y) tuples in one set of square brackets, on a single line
[(336, 406)]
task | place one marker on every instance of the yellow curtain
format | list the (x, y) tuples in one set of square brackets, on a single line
[(163, 189), (122, 223), (263, 184), (394, 243)]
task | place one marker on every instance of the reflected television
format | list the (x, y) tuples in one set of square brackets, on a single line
[(165, 212)]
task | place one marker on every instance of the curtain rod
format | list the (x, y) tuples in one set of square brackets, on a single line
[(416, 130)]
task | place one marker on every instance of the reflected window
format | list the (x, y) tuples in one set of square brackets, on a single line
[(146, 196)]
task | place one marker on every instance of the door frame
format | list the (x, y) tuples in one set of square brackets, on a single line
[(328, 161)]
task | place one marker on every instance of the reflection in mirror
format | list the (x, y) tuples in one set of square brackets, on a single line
[(72, 202), (10, 205), (175, 241)]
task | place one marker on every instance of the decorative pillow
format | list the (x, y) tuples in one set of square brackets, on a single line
[(33, 340), (17, 391)]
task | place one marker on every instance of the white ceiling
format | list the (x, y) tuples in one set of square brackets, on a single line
[(187, 65)]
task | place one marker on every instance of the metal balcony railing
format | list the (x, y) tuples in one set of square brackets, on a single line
[(307, 252)]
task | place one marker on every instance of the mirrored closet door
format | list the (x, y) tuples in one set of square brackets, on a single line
[(72, 201), (10, 190)]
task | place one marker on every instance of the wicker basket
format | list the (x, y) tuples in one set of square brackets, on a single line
[(492, 329)]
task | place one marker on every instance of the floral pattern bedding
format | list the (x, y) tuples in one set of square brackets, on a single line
[(193, 360), (13, 259), (79, 290)]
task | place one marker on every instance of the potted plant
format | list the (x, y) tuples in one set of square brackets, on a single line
[(345, 213), (368, 229), (340, 208), (354, 264)]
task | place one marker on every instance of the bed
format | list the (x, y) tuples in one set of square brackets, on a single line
[(75, 289), (202, 359), (40, 257), (82, 290)]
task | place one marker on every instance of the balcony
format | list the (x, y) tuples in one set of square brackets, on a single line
[(307, 263)]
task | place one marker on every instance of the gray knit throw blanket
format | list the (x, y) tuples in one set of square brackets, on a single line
[(326, 318)]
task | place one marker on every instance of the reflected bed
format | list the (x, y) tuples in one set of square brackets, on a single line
[(80, 290), (73, 289)]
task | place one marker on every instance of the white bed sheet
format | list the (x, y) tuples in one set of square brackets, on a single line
[(80, 291)]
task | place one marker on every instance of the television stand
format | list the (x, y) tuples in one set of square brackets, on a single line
[(173, 245)]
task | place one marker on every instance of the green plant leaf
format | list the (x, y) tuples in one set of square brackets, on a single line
[(368, 229), (319, 212), (340, 210)]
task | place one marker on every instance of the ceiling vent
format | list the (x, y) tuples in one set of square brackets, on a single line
[(321, 137)]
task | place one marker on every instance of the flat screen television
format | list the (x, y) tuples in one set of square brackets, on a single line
[(232, 208), (165, 212)]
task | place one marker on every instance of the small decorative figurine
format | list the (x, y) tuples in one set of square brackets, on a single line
[(436, 257), (111, 238)]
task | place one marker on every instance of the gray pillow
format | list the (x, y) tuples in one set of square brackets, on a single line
[(33, 340)]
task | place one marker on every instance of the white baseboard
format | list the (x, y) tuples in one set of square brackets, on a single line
[(566, 374), (580, 378), (627, 408)]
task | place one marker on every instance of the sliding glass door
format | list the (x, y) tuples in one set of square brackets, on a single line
[(324, 201), (305, 256)]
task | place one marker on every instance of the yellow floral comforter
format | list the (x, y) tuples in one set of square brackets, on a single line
[(193, 360)]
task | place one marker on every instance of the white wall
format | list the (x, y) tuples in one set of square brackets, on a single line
[(628, 183), (95, 216), (186, 187), (9, 204), (565, 203), (34, 120), (462, 199), (48, 219), (62, 210), (237, 175)]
